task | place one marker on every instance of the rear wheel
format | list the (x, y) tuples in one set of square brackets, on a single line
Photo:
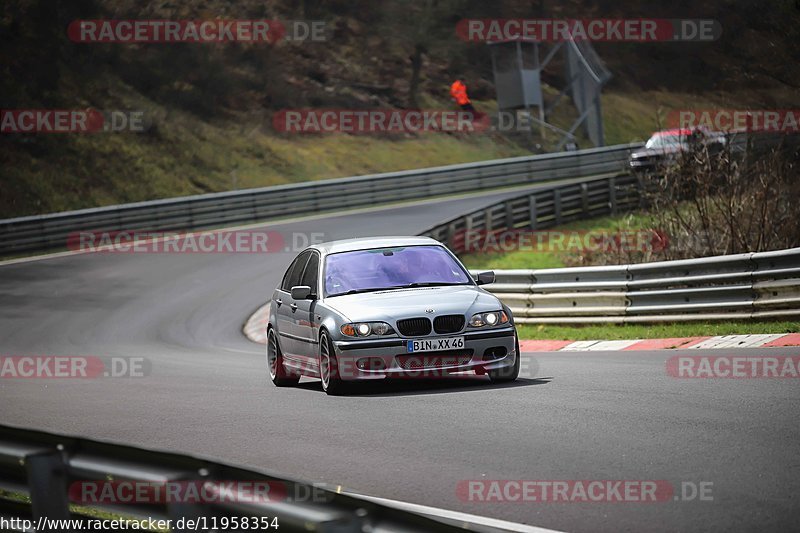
[(277, 372), (507, 373), (332, 384)]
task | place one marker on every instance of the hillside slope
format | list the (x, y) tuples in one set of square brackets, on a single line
[(210, 106)]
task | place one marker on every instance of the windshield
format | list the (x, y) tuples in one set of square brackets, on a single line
[(664, 141), (387, 268)]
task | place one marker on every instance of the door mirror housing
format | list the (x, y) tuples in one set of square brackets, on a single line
[(485, 278), (302, 292)]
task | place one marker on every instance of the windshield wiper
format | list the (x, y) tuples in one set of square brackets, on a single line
[(394, 287), (370, 289)]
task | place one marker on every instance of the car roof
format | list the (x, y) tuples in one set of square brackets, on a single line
[(349, 245)]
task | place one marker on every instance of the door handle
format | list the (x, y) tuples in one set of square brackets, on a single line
[(294, 307), (278, 302)]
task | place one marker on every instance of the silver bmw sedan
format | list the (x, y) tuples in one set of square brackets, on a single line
[(388, 307)]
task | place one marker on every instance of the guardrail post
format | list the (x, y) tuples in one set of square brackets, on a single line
[(557, 205), (181, 513), (42, 239), (254, 207), (47, 482), (532, 211), (451, 235), (509, 215), (487, 220), (585, 198), (612, 195)]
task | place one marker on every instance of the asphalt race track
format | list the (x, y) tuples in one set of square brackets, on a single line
[(579, 416)]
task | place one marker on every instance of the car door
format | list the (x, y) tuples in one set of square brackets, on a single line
[(287, 331), (305, 322)]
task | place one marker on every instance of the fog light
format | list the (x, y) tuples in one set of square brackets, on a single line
[(494, 353), (370, 363)]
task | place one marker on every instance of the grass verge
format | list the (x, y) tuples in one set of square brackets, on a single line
[(612, 332), (555, 254)]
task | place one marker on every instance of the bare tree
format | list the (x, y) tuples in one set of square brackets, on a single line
[(726, 203)]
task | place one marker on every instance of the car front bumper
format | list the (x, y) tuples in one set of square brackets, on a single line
[(485, 350)]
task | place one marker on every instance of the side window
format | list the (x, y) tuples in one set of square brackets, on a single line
[(310, 275), (292, 276)]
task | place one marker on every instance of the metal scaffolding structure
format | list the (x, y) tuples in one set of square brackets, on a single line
[(517, 67)]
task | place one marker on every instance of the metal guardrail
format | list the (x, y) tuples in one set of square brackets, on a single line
[(545, 208), (45, 232), (589, 198), (47, 468), (764, 285), (715, 288)]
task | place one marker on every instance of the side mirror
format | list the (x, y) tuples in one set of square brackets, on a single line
[(301, 292), (485, 278)]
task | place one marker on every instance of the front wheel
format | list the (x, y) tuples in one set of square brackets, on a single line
[(277, 372), (508, 373), (332, 383)]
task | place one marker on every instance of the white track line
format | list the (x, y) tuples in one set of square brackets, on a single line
[(735, 341), (611, 345), (578, 346)]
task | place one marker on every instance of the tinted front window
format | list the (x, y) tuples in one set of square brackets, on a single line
[(310, 275), (292, 276), (385, 268)]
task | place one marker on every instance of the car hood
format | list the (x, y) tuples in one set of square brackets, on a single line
[(405, 303), (649, 152)]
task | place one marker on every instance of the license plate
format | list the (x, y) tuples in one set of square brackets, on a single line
[(435, 345)]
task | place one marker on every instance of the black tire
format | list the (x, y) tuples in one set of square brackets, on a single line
[(509, 373), (277, 372), (332, 383)]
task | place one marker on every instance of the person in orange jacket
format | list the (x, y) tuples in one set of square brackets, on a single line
[(459, 93)]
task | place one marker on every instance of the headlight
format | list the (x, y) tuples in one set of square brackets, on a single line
[(365, 329), (492, 318)]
